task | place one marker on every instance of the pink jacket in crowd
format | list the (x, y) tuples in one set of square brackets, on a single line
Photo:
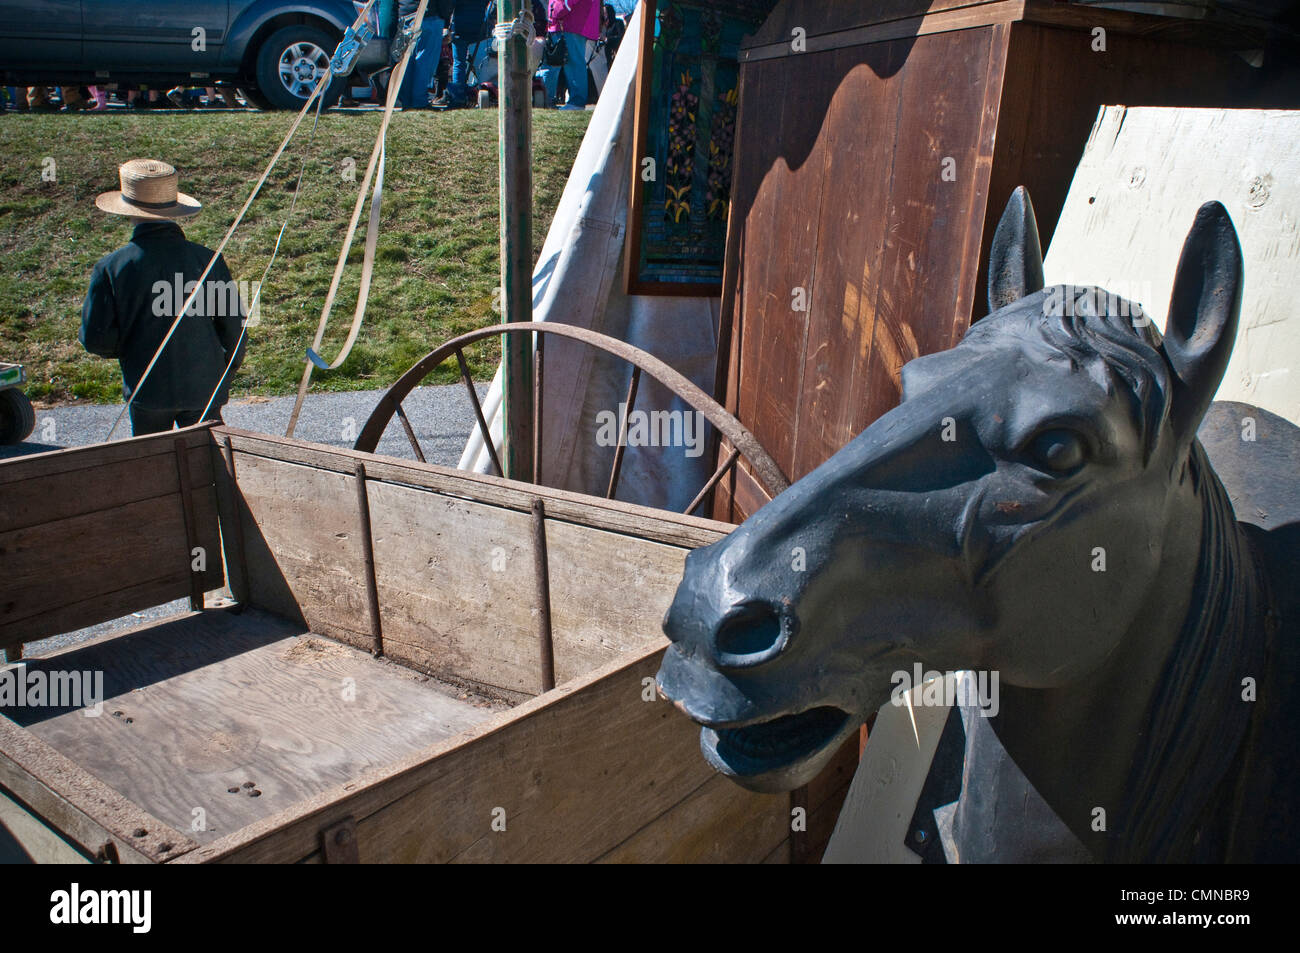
[(575, 16)]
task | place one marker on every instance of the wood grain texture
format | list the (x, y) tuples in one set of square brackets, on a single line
[(91, 533), (25, 838), (926, 280), (448, 572), (846, 301), (840, 188), (629, 519), (783, 215), (68, 573), (45, 497), (701, 828), (212, 701), (570, 791), (79, 805), (58, 462)]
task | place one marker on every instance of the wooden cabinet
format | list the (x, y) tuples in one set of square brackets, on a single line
[(877, 145)]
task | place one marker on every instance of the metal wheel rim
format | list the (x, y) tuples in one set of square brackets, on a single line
[(295, 63), (763, 466)]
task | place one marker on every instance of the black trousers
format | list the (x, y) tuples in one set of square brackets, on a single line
[(145, 420)]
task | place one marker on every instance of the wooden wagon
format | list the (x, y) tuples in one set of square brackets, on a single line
[(377, 689)]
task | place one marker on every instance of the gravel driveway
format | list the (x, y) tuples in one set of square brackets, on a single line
[(441, 417)]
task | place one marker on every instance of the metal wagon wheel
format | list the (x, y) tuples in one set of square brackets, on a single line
[(743, 443)]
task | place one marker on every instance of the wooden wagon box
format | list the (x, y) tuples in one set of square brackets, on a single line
[(375, 690)]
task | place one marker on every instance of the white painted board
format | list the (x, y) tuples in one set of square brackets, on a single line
[(1144, 173)]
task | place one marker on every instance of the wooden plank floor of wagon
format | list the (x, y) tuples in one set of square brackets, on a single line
[(223, 719)]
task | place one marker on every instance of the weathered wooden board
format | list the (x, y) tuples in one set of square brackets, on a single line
[(454, 576), (91, 533), (95, 554), (598, 768), (702, 828), (212, 701), (300, 528), (672, 528), (873, 825), (25, 839), (575, 773), (96, 484), (83, 808), (64, 574), (455, 589), (1142, 177)]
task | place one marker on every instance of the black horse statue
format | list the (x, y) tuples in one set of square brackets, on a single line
[(1039, 506)]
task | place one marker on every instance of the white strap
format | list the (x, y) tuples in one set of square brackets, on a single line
[(394, 84)]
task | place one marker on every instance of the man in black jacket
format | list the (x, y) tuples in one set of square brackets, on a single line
[(137, 291)]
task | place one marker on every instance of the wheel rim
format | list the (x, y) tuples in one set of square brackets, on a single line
[(301, 67), (742, 441)]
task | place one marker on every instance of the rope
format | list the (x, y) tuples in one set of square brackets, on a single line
[(521, 25), (372, 234), (319, 91), (257, 297)]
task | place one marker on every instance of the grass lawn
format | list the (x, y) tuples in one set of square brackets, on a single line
[(436, 266)]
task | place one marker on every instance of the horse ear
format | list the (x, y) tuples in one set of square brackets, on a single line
[(1203, 309), (1016, 258)]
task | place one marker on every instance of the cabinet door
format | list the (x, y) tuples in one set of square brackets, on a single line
[(142, 36), (40, 34)]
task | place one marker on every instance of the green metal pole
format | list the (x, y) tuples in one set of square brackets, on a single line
[(516, 161)]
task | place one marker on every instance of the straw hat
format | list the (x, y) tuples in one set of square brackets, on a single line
[(148, 191)]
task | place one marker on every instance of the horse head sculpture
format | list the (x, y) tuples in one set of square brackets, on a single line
[(1037, 506)]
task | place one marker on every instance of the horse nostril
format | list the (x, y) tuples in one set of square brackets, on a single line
[(751, 636)]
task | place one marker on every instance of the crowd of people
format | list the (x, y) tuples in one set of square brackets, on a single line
[(579, 36)]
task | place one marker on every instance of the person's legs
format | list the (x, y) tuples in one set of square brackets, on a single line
[(575, 69), (414, 92), (458, 88), (551, 80), (144, 420)]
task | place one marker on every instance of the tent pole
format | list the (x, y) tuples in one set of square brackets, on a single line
[(516, 164)]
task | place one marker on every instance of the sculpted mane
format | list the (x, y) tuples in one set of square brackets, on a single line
[(1197, 717), (1120, 342)]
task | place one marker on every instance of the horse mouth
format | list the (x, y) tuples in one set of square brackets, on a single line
[(769, 755)]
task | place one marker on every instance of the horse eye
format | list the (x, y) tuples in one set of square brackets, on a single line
[(1058, 451)]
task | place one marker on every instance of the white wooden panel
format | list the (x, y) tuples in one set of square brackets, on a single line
[(874, 820), (1143, 175)]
